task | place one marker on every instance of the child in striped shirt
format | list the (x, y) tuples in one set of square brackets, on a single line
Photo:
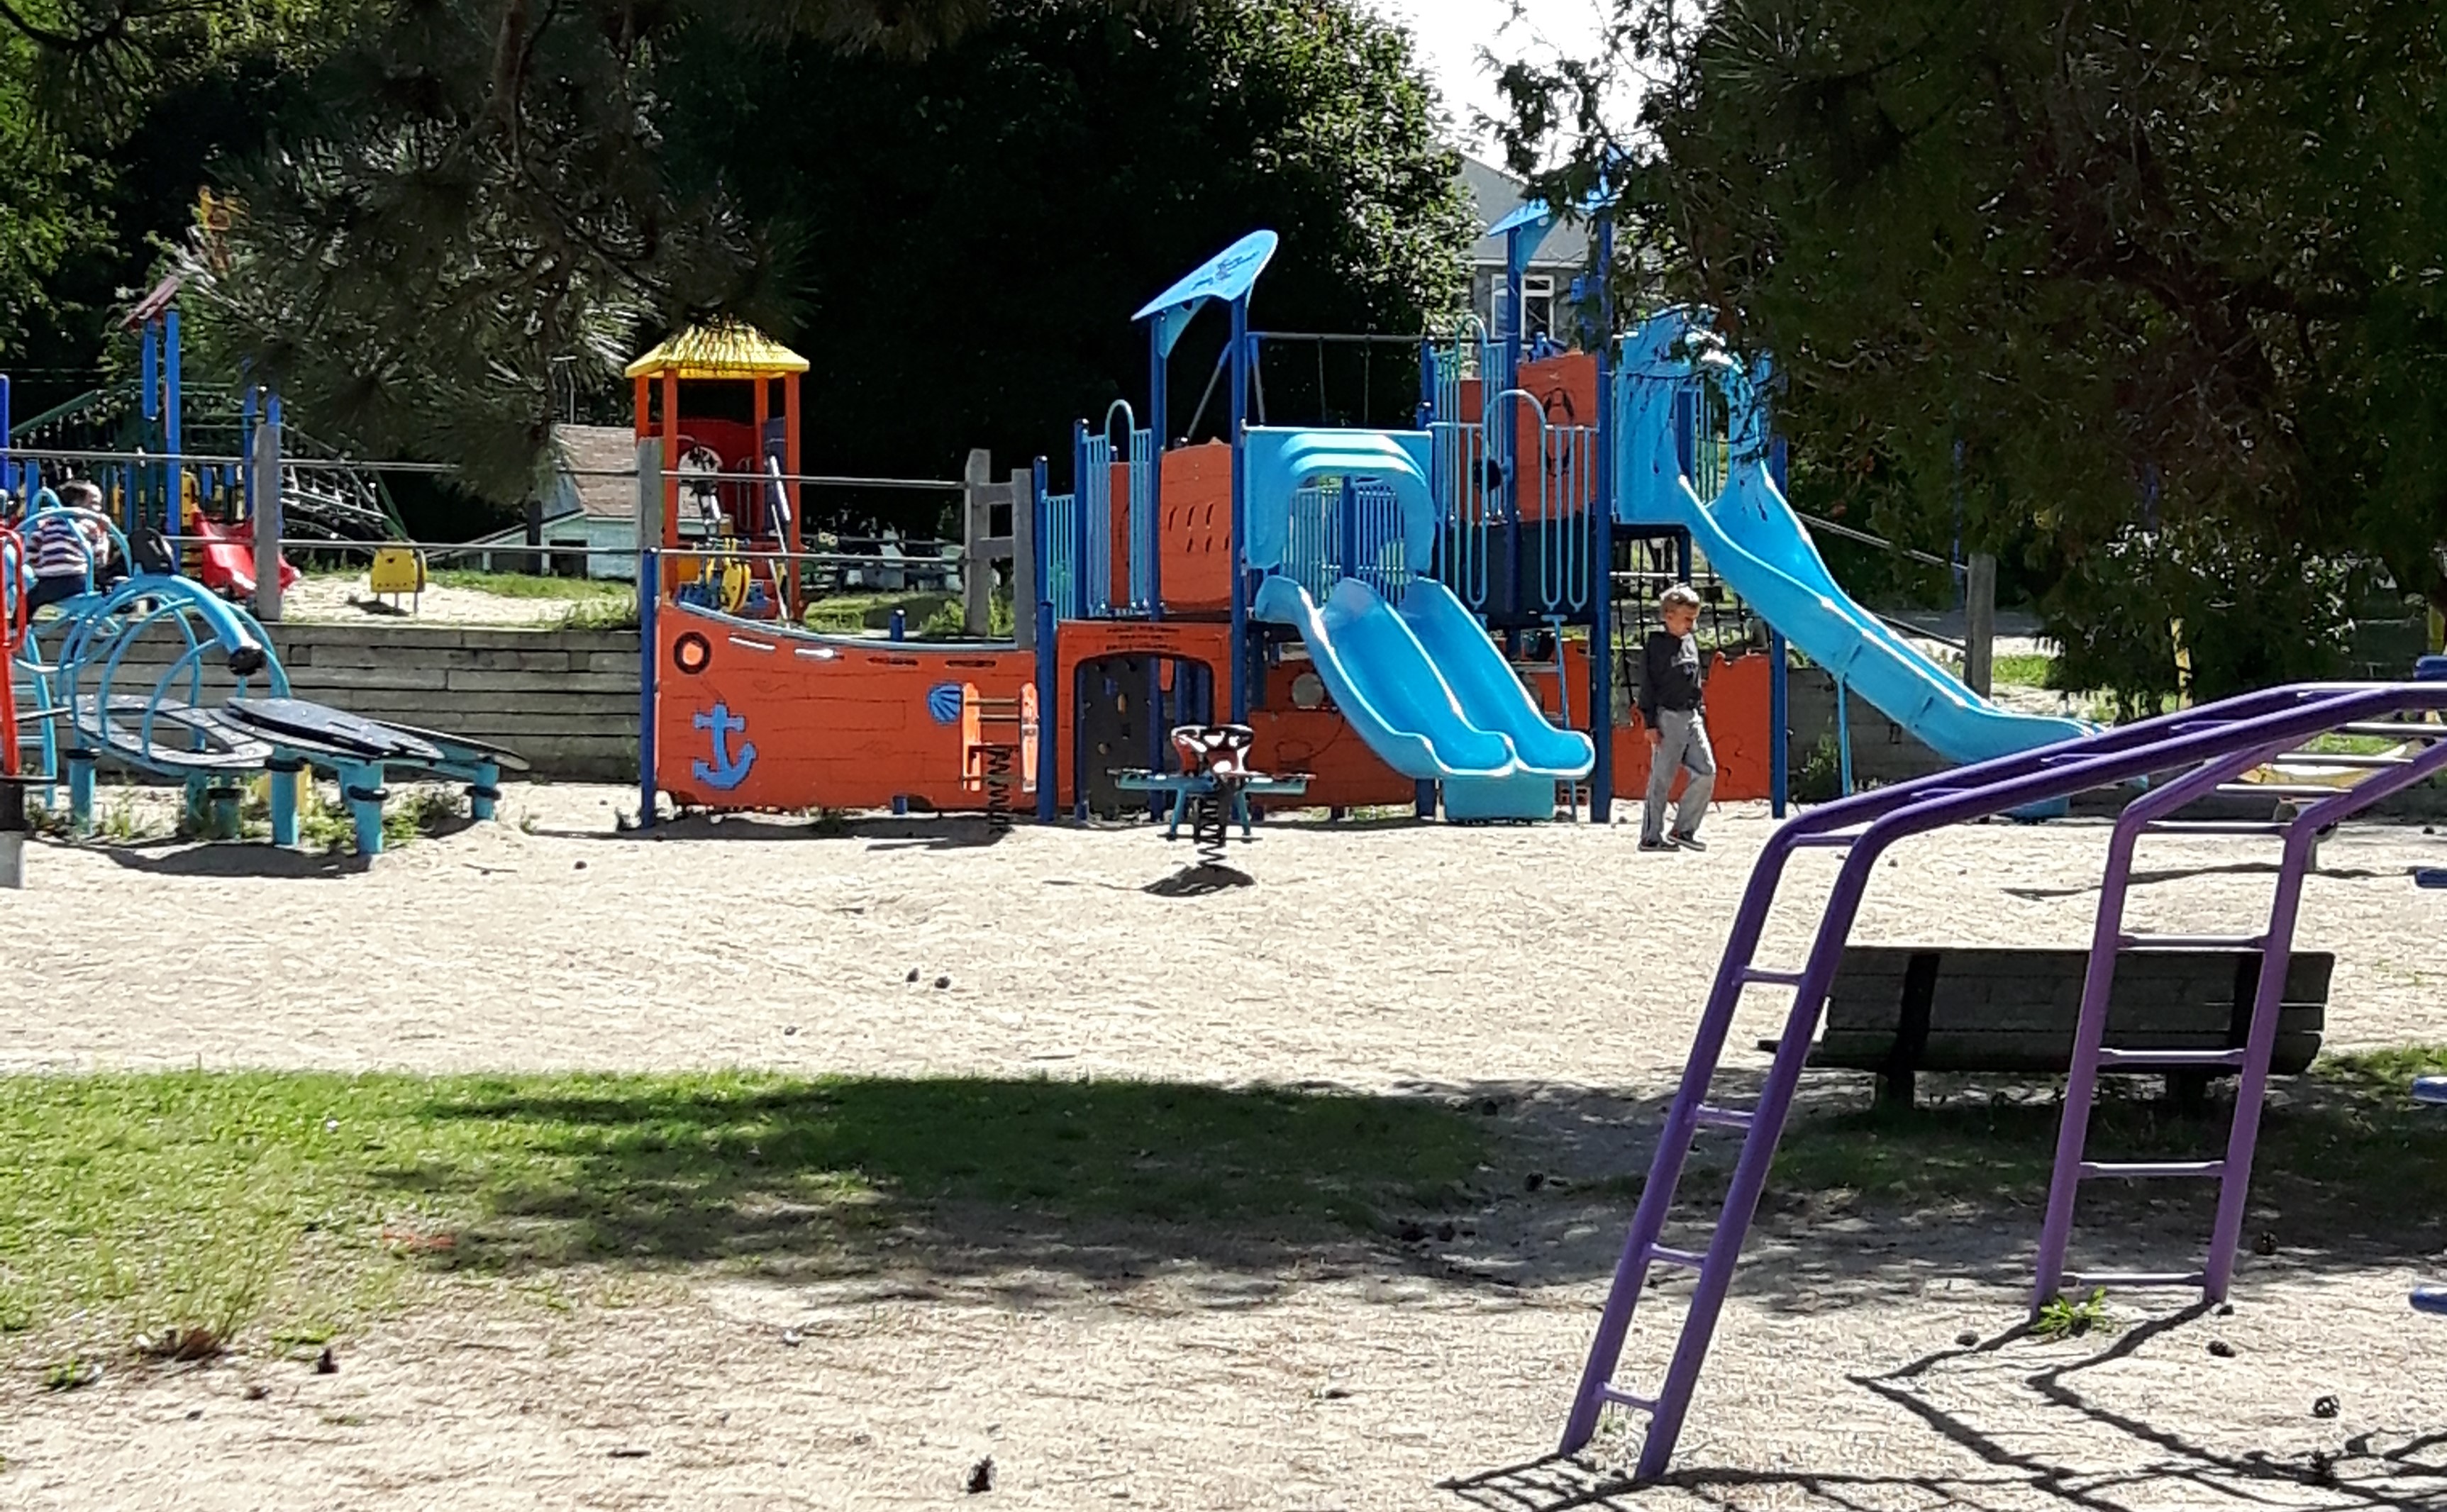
[(64, 547)]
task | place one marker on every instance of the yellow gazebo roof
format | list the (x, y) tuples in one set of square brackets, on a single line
[(728, 349)]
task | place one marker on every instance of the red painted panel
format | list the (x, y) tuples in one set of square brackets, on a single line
[(1197, 503)]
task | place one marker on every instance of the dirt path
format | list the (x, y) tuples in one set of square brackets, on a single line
[(1557, 967)]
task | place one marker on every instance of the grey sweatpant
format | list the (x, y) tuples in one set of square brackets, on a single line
[(1681, 741)]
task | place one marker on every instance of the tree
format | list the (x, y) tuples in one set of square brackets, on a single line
[(969, 233), (2085, 274), (476, 194)]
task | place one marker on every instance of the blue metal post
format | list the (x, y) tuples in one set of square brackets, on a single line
[(149, 368), (246, 444), (1779, 691), (899, 634), (649, 594), (1347, 556), (1601, 549), (1159, 382), (1686, 457), (1048, 723), (172, 431), (1843, 738), (8, 468), (1240, 546), (1082, 605)]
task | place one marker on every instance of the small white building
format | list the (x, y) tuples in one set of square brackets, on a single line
[(590, 511)]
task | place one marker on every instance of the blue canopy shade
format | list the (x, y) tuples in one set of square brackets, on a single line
[(1538, 218), (1229, 275)]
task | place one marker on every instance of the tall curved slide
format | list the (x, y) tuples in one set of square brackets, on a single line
[(1422, 683), (1755, 542)]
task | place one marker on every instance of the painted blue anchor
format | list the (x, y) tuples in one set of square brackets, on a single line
[(723, 772)]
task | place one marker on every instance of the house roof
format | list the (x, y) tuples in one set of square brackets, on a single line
[(599, 469), (1499, 194), (726, 348)]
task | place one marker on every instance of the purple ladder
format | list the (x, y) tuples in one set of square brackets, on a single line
[(2317, 810), (2221, 740)]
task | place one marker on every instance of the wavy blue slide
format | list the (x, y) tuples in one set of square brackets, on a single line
[(1422, 684), (1430, 694)]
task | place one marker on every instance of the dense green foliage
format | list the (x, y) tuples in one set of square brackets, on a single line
[(457, 214), (2105, 282), (970, 232)]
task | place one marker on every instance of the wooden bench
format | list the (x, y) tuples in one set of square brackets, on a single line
[(1899, 1010)]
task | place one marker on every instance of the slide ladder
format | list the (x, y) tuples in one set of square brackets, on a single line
[(2222, 738)]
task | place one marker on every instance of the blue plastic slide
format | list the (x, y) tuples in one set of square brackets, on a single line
[(1756, 544), (1432, 695), (1422, 685)]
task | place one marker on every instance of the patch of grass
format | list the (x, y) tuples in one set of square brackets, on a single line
[(122, 823), (947, 622), (1820, 778), (2022, 670), (422, 812), (291, 1203), (69, 1374), (2063, 1318), (530, 585), (2333, 744), (2343, 1148), (856, 613), (611, 611)]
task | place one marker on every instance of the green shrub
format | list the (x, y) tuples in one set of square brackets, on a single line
[(2253, 614)]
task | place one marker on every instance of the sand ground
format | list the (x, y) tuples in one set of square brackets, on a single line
[(335, 598), (1556, 971)]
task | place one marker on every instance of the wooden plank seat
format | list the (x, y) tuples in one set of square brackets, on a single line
[(1899, 1010)]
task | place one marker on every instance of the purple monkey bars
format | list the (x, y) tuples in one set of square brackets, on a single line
[(2209, 747)]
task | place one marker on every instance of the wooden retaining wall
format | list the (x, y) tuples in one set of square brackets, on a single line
[(564, 699)]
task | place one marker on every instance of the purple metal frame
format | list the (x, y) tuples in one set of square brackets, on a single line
[(2216, 742)]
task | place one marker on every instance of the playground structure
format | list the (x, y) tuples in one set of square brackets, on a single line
[(725, 471), (219, 713), (1425, 617), (246, 463), (2212, 749)]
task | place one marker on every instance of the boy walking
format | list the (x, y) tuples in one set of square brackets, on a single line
[(1677, 732)]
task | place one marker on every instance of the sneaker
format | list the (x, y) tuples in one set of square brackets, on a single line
[(1659, 845), (1690, 842)]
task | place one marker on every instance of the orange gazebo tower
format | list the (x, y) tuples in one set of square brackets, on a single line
[(724, 453)]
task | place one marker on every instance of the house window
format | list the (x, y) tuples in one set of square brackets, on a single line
[(1538, 304)]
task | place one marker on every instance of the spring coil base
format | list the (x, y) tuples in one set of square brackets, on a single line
[(1209, 816), (1001, 778)]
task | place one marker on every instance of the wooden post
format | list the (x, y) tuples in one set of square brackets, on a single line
[(1980, 622), (977, 563), (650, 513), (1023, 557)]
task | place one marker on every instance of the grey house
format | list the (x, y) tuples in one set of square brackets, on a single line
[(1545, 289)]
